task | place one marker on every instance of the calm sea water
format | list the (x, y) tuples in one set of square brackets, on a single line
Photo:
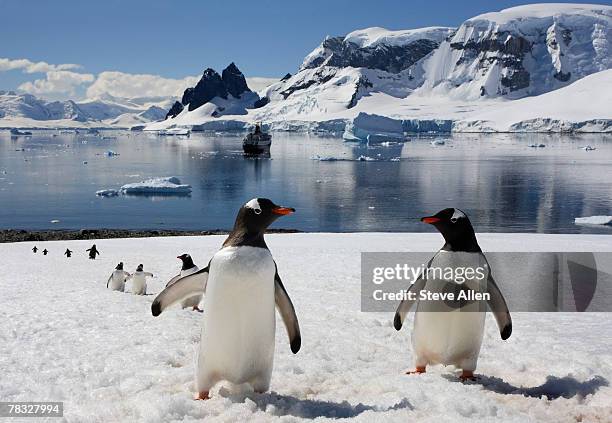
[(503, 185)]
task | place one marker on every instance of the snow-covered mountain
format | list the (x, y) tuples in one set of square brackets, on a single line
[(523, 51), (215, 95), (427, 79), (439, 78), (28, 110)]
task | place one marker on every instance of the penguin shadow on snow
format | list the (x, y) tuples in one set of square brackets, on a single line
[(308, 409), (554, 387)]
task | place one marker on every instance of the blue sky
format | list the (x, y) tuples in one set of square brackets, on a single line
[(177, 39)]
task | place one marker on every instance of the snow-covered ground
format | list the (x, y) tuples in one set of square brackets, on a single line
[(65, 337)]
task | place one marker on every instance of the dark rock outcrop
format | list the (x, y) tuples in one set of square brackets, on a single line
[(176, 108), (390, 58), (362, 85), (234, 80), (506, 48), (211, 85), (261, 102), (286, 77), (208, 87), (320, 77)]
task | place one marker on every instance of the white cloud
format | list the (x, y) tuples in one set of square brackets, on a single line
[(28, 66), (57, 83), (120, 84), (257, 83), (62, 82)]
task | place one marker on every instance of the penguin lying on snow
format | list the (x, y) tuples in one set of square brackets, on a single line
[(242, 285), (450, 333), (116, 280), (139, 280), (187, 269)]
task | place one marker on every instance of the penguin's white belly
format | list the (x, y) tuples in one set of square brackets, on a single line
[(191, 301), (118, 281), (239, 321), (452, 336), (139, 284)]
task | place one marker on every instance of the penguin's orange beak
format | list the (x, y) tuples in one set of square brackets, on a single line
[(430, 219), (283, 210)]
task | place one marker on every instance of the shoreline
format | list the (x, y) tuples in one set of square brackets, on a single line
[(23, 235)]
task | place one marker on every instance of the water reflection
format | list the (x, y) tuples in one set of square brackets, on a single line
[(501, 182)]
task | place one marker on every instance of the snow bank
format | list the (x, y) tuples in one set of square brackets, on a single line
[(108, 359), (583, 106), (594, 220), (167, 185)]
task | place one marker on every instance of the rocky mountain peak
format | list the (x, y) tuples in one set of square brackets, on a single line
[(208, 87), (234, 80), (211, 85)]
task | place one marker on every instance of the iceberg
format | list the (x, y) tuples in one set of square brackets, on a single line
[(593, 220), (107, 193), (165, 186)]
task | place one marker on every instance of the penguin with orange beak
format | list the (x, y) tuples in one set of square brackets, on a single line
[(450, 331), (241, 287)]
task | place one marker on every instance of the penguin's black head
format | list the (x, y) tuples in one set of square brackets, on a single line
[(456, 228), (187, 261), (119, 266), (259, 213), (139, 268)]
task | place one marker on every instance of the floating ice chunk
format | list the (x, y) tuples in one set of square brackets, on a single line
[(588, 148), (107, 193), (325, 158), (55, 221), (168, 185), (438, 142), (593, 220)]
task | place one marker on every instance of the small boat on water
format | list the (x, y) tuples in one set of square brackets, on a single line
[(16, 132), (257, 142)]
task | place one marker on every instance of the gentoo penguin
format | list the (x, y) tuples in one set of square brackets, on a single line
[(35, 249), (116, 280), (139, 280), (93, 251), (45, 251), (450, 332), (68, 253), (187, 269), (242, 284)]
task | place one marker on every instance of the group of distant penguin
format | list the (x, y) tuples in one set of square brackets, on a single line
[(93, 252), (241, 285)]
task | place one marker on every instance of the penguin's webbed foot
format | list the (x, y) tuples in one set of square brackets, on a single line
[(198, 309), (467, 375), (417, 371), (202, 396)]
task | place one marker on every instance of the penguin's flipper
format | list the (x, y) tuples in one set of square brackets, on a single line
[(109, 280), (174, 279), (183, 288), (499, 308), (407, 303), (287, 312)]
